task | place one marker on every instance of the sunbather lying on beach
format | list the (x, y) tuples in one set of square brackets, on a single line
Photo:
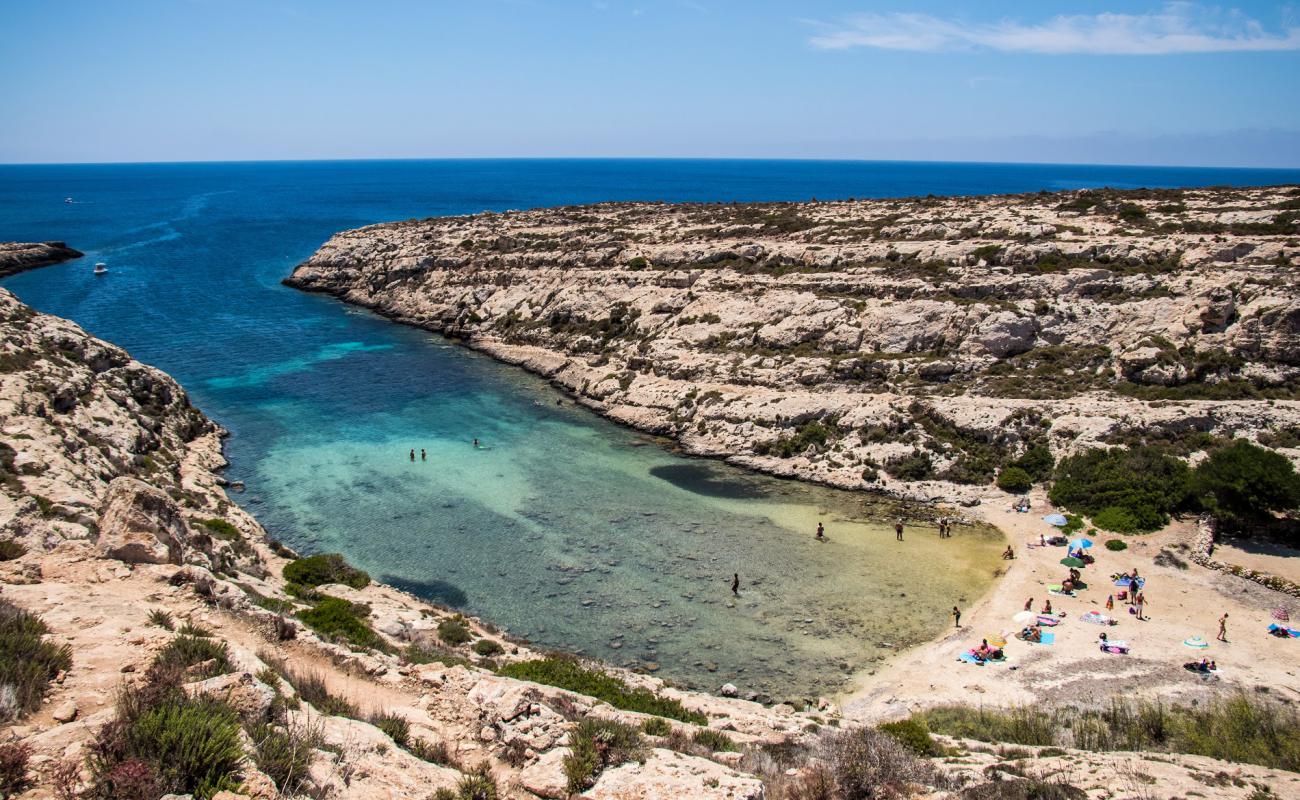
[(1030, 633)]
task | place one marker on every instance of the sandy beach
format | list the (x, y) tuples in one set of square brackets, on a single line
[(1182, 602)]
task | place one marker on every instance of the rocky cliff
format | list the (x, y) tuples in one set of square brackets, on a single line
[(19, 256), (909, 345)]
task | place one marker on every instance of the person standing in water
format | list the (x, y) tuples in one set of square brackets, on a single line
[(898, 529), (475, 443), (735, 583), (821, 532), (412, 453), (422, 456)]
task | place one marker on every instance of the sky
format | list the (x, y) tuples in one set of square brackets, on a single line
[(1105, 81)]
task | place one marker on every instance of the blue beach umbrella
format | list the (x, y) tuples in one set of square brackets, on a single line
[(1058, 520), (1079, 544)]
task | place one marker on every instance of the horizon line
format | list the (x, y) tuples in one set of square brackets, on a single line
[(807, 159)]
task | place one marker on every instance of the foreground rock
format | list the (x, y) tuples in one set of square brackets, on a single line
[(16, 257), (890, 344)]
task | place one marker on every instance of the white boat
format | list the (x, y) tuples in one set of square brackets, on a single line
[(69, 200), (101, 268)]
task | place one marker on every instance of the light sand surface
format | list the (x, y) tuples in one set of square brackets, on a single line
[(1181, 602), (1263, 556)]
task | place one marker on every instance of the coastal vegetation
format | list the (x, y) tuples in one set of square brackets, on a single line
[(567, 672), (1238, 727), (29, 661), (325, 568), (596, 745)]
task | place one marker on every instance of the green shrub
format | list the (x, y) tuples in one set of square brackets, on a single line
[(336, 618), (1014, 480), (714, 741), (656, 726), (453, 631), (1116, 545), (594, 746), (221, 529), (864, 760), (1037, 462), (28, 662), (184, 652), (395, 727), (13, 767), (1123, 489), (1243, 481), (915, 466), (325, 568), (285, 754), (476, 785), (488, 647), (566, 673), (191, 629), (311, 687), (11, 549), (809, 434), (914, 734), (161, 619)]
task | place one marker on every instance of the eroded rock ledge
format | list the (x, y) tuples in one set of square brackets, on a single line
[(17, 257), (905, 345)]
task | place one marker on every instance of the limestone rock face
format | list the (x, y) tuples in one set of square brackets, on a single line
[(668, 774), (141, 525), (19, 256), (245, 693), (545, 777)]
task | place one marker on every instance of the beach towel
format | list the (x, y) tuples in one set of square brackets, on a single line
[(1291, 632), (1115, 649), (1056, 590), (970, 658), (1095, 617), (1048, 622), (1125, 580), (1046, 637), (1196, 642)]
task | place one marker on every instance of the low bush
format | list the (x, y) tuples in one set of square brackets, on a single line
[(163, 741), (1243, 482), (161, 619), (915, 466), (28, 661), (285, 754), (11, 549), (656, 726), (1239, 727), (476, 785), (221, 529), (1037, 462), (1116, 545), (714, 741), (395, 727), (336, 618), (566, 673), (13, 767), (1126, 490), (596, 745), (866, 763), (914, 734), (453, 631), (191, 629), (185, 652), (325, 568), (311, 687), (488, 648), (1014, 480), (813, 433)]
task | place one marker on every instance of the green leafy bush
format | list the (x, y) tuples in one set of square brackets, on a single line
[(914, 734), (161, 619), (809, 434), (325, 568), (1116, 545), (285, 754), (185, 651), (1123, 489), (476, 785), (488, 648), (656, 726), (336, 618), (594, 746), (714, 741), (28, 661), (311, 687), (221, 529), (1243, 481), (1014, 480), (566, 673), (1037, 462), (395, 727), (915, 466), (453, 631)]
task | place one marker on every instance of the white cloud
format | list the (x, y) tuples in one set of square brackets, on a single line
[(1178, 28)]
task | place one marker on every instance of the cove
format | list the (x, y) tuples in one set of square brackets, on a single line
[(565, 529)]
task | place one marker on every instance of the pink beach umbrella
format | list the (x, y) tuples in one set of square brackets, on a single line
[(1280, 614)]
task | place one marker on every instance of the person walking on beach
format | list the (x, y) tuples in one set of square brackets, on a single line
[(821, 532), (735, 583), (412, 453), (1140, 600), (898, 529), (1223, 628), (1029, 604), (1110, 602), (956, 617)]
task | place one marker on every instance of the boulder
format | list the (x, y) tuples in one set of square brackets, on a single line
[(668, 774), (65, 712), (1003, 334), (140, 524), (545, 776), (245, 693)]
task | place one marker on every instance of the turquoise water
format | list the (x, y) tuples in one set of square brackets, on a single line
[(566, 529)]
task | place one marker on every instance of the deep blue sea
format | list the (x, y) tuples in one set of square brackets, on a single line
[(566, 529)]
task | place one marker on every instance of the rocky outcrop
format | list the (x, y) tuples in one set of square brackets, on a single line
[(141, 524), (20, 256), (957, 324)]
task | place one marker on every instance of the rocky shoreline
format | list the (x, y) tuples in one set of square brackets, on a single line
[(18, 257), (912, 347)]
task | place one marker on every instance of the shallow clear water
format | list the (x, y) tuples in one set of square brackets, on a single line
[(565, 528)]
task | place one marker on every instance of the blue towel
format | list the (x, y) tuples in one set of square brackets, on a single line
[(970, 659), (1047, 637)]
